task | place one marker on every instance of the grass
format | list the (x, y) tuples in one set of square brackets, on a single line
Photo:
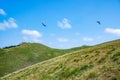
[(13, 58), (100, 62)]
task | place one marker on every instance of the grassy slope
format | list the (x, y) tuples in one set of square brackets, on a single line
[(101, 62), (17, 57)]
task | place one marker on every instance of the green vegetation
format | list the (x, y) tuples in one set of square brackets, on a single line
[(100, 62), (13, 58)]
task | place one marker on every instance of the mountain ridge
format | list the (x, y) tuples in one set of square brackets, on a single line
[(99, 62), (13, 58)]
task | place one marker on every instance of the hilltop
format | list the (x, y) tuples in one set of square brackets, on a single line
[(100, 62), (13, 58)]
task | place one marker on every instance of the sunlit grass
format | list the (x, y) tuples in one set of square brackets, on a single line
[(13, 58), (100, 62)]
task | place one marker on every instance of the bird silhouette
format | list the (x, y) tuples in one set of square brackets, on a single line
[(43, 24), (99, 22)]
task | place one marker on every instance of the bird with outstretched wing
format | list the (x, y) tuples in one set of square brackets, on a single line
[(43, 24), (99, 22)]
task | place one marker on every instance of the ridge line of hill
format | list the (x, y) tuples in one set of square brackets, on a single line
[(17, 57), (98, 45)]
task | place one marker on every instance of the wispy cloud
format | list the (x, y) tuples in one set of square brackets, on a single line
[(2, 12), (64, 24), (87, 39), (113, 31), (10, 23), (31, 35), (62, 40)]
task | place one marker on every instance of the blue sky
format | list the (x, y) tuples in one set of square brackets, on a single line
[(69, 23)]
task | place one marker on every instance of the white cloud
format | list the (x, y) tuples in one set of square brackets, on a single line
[(113, 31), (10, 23), (87, 39), (64, 24), (31, 35), (2, 12), (62, 40)]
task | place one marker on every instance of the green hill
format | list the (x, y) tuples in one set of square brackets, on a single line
[(100, 62), (13, 58)]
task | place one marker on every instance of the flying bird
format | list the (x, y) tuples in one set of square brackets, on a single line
[(99, 22), (43, 25)]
